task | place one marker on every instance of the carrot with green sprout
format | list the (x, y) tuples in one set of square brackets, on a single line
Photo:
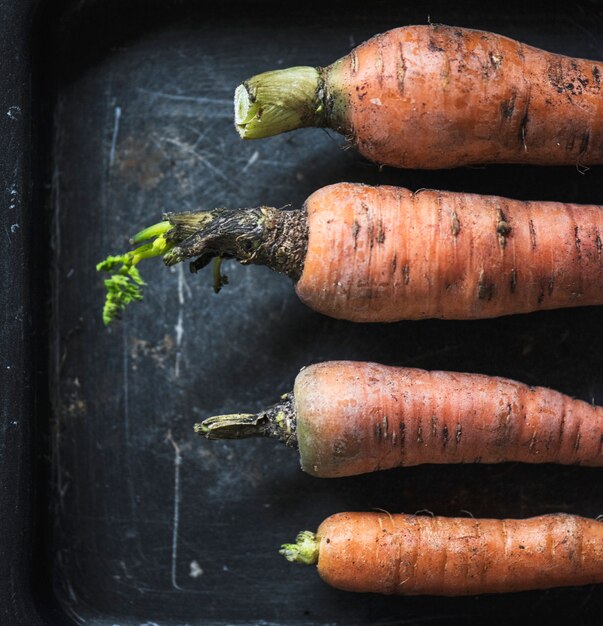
[(434, 96), (382, 254), (347, 418), (418, 555)]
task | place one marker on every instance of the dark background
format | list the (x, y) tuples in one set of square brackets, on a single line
[(111, 510)]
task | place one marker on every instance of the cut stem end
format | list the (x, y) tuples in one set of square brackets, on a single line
[(305, 550), (278, 101), (278, 421), (232, 426)]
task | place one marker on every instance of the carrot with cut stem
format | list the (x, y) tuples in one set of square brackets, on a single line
[(416, 555), (435, 96), (382, 254), (347, 418)]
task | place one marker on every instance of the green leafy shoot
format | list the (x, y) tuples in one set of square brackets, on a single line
[(124, 285)]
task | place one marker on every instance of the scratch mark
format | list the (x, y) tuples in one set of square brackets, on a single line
[(252, 159), (75, 615), (179, 327), (183, 285), (176, 523), (200, 134), (14, 197), (71, 592), (127, 429), (187, 149), (200, 99), (115, 133), (126, 383)]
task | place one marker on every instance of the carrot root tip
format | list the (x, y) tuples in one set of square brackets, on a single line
[(304, 550)]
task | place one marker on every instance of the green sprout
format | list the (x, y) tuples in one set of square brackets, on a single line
[(304, 550), (124, 285), (205, 236)]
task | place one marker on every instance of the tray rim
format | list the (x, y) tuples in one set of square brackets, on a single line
[(18, 340), (20, 378)]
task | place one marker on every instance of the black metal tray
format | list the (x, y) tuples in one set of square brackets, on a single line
[(112, 511)]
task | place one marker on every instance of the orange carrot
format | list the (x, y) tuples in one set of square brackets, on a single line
[(385, 254), (434, 96), (411, 555), (350, 418), (381, 254)]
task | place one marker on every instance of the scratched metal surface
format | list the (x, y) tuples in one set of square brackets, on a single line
[(152, 525)]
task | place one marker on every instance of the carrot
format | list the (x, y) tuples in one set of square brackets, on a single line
[(348, 418), (381, 254), (411, 555), (435, 96)]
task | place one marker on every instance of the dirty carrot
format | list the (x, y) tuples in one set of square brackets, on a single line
[(347, 418), (382, 254), (416, 555), (435, 96)]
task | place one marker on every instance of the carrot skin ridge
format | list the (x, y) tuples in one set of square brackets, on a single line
[(417, 555)]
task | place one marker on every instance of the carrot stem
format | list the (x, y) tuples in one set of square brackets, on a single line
[(234, 426), (263, 236), (304, 550), (278, 101), (278, 421)]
